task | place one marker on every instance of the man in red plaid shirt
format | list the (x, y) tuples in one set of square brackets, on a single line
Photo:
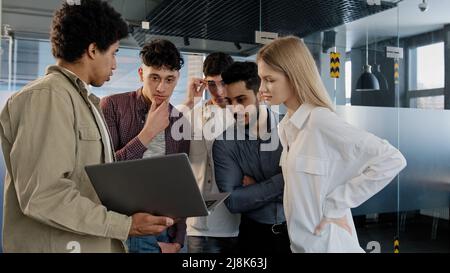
[(140, 123)]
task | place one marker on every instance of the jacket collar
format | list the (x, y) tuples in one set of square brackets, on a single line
[(73, 78), (300, 116)]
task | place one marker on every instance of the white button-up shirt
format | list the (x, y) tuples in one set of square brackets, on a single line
[(329, 167)]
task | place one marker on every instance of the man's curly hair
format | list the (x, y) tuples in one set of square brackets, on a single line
[(75, 27), (160, 53)]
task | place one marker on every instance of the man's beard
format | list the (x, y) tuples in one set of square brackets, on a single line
[(251, 122)]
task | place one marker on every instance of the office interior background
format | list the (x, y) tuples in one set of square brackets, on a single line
[(405, 99)]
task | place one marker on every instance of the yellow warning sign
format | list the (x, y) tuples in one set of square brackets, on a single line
[(334, 64), (396, 245), (396, 71)]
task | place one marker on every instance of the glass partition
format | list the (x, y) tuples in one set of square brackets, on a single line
[(408, 54), (409, 59)]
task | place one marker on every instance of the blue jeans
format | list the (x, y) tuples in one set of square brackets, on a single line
[(147, 244)]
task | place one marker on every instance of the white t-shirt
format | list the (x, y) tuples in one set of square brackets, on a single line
[(157, 146)]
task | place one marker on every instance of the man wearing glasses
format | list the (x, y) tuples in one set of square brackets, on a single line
[(217, 232)]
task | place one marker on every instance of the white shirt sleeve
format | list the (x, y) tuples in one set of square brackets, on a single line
[(377, 163)]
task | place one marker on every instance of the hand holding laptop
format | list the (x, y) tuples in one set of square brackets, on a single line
[(150, 185), (147, 224)]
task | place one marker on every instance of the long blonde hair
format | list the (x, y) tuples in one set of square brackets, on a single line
[(289, 55)]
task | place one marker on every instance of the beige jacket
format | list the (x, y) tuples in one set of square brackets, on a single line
[(48, 135)]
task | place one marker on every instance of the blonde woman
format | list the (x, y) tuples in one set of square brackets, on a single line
[(328, 165)]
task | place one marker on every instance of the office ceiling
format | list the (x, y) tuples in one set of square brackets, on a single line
[(407, 20), (237, 20)]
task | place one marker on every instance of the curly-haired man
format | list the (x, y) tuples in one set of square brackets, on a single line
[(51, 129)]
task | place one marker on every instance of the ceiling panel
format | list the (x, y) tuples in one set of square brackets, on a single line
[(237, 20)]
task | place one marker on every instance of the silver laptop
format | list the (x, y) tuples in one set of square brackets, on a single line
[(163, 185)]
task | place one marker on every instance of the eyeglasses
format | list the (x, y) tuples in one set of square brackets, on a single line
[(215, 84)]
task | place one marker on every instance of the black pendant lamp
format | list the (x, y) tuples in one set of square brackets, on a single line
[(367, 81)]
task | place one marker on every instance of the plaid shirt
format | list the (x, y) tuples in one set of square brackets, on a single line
[(125, 117)]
